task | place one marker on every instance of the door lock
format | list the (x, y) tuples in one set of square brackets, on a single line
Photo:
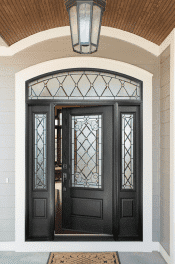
[(65, 166)]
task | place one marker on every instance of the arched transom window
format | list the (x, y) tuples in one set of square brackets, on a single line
[(85, 84)]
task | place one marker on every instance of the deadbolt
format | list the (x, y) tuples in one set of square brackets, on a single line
[(65, 166)]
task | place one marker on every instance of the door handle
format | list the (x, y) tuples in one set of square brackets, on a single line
[(64, 181), (64, 176)]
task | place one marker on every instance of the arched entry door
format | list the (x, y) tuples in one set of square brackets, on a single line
[(101, 170)]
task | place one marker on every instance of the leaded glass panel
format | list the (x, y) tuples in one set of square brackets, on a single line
[(87, 151), (40, 152), (86, 85), (127, 151)]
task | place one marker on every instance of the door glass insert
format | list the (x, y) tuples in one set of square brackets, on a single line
[(87, 151), (40, 152), (127, 151)]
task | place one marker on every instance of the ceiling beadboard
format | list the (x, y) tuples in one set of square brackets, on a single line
[(150, 19)]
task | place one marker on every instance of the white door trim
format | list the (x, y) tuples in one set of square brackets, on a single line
[(66, 63)]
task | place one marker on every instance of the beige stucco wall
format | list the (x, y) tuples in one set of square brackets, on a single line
[(53, 49), (165, 150)]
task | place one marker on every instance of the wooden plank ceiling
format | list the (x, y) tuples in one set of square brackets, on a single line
[(150, 19)]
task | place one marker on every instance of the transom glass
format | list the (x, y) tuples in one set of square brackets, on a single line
[(92, 85)]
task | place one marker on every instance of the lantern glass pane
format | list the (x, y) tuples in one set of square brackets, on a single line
[(73, 24), (96, 17), (84, 23), (77, 48), (85, 49), (93, 48)]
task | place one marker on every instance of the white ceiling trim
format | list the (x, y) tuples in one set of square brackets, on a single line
[(65, 31), (167, 41)]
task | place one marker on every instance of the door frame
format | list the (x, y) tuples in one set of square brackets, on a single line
[(115, 174), (20, 113)]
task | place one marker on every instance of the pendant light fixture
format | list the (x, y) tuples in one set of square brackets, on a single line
[(85, 23)]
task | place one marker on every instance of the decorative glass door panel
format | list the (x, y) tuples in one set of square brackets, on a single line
[(87, 151)]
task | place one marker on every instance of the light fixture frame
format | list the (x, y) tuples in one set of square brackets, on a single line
[(101, 4)]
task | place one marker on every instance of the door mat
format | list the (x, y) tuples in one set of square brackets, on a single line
[(83, 258)]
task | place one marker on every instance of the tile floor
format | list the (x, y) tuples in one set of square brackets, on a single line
[(23, 258), (41, 258), (141, 258)]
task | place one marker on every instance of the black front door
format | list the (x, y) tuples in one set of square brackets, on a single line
[(87, 169), (101, 171)]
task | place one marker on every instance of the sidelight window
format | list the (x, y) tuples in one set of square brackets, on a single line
[(127, 151), (40, 152)]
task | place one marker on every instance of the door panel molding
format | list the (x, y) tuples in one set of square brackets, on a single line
[(127, 207), (87, 207), (39, 206)]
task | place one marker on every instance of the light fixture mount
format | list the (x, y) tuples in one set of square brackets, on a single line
[(85, 23)]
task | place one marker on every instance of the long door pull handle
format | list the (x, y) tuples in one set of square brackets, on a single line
[(64, 181)]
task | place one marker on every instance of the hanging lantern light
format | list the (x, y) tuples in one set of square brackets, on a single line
[(85, 23)]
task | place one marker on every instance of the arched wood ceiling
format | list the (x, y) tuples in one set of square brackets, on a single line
[(150, 19)]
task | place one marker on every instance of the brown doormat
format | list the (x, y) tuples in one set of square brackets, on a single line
[(83, 258)]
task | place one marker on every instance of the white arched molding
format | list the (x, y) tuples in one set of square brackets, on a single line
[(84, 62), (65, 31)]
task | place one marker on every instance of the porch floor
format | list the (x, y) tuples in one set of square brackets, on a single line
[(141, 258), (42, 258)]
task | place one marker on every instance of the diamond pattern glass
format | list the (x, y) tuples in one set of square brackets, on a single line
[(91, 85), (40, 152), (86, 151), (127, 151)]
